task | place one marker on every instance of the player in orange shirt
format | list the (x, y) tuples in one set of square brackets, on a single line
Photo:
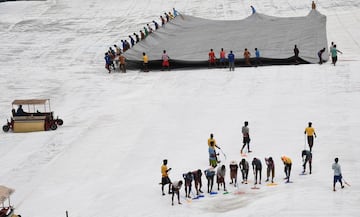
[(247, 55)]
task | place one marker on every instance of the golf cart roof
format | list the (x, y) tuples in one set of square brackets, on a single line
[(5, 192), (30, 101)]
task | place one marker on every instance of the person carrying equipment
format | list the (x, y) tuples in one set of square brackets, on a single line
[(337, 173)]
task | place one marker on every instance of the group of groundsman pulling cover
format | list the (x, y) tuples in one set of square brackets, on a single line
[(114, 57)]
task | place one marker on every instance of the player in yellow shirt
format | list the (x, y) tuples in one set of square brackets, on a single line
[(212, 145), (212, 139), (310, 132), (145, 62), (164, 176), (287, 167)]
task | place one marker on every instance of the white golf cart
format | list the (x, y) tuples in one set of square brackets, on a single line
[(32, 115)]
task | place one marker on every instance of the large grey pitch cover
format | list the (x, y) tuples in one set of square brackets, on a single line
[(187, 38)]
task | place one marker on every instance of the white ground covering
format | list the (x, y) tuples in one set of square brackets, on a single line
[(106, 158)]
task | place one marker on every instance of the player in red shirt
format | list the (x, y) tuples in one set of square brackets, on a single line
[(212, 58)]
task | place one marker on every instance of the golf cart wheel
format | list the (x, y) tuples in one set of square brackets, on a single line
[(6, 128), (60, 122), (53, 126)]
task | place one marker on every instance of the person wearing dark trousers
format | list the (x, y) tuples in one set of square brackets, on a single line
[(210, 173), (244, 167), (246, 137), (270, 169), (321, 61), (165, 177), (197, 181), (233, 172), (107, 62), (310, 132), (156, 24), (231, 59), (257, 57), (287, 167), (220, 176), (137, 38), (145, 62), (296, 54), (257, 167), (313, 5), (334, 52), (188, 178), (306, 156), (175, 187)]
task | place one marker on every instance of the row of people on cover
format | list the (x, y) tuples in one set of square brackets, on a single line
[(111, 57), (147, 30), (212, 59), (228, 60), (116, 56)]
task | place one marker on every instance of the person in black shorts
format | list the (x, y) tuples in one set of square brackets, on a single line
[(164, 176), (246, 137)]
